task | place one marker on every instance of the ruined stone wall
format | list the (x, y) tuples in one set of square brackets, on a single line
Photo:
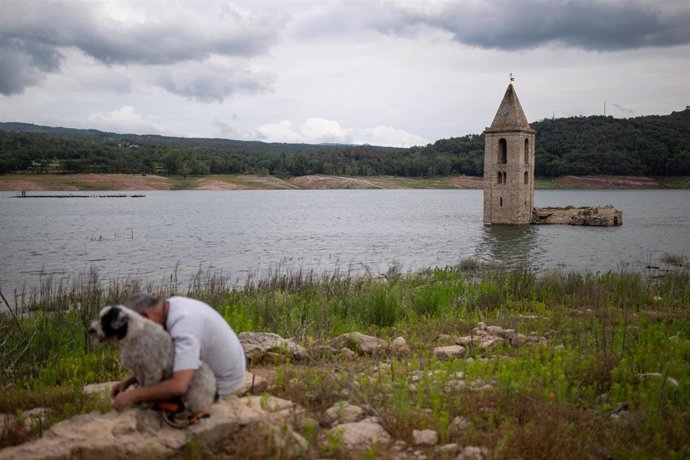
[(591, 216)]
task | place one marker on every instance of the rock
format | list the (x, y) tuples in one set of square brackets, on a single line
[(276, 408), (322, 351), (473, 453), (360, 343), (38, 415), (347, 353), (454, 385), (485, 336), (496, 331), (296, 350), (28, 419), (449, 352), (254, 384), (538, 340), (399, 345), (399, 446), (518, 339), (458, 426), (447, 449), (258, 345), (464, 341), (234, 429), (424, 438), (99, 389), (343, 412), (361, 435), (372, 419), (490, 342)]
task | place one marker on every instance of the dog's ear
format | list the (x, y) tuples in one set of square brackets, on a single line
[(114, 322), (120, 319)]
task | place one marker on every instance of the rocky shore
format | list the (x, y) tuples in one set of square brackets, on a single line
[(255, 424)]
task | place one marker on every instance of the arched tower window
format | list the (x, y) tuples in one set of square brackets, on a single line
[(502, 151), (500, 178), (526, 150), (526, 178)]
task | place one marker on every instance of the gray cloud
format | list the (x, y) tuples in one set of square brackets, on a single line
[(36, 31), (22, 64), (207, 84), (598, 25)]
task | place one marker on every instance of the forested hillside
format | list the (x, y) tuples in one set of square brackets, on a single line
[(651, 145)]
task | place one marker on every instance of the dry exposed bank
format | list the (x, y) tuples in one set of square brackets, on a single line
[(131, 182)]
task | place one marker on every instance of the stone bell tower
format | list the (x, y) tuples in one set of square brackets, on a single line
[(509, 165)]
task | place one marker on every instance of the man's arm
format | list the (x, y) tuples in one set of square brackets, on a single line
[(177, 385)]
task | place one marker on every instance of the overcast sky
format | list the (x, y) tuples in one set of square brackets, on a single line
[(387, 72)]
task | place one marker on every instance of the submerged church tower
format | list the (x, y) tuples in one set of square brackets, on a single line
[(509, 165)]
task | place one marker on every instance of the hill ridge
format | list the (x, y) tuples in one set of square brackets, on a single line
[(651, 145)]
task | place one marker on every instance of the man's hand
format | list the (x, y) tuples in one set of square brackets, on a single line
[(124, 399), (177, 385), (121, 387)]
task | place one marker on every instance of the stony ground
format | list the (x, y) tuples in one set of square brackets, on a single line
[(331, 400), (348, 428)]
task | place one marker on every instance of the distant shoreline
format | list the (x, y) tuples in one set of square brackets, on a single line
[(139, 182)]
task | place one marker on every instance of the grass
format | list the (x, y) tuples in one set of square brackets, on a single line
[(587, 393), (673, 259), (674, 181)]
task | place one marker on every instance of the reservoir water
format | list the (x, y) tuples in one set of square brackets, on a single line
[(246, 233)]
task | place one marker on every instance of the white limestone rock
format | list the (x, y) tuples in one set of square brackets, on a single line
[(399, 345), (343, 412), (424, 438), (141, 434), (362, 435), (258, 345), (360, 343), (473, 453), (449, 352)]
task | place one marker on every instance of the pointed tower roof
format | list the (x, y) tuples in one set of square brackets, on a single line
[(510, 115)]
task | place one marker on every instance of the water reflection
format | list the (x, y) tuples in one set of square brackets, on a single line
[(513, 246)]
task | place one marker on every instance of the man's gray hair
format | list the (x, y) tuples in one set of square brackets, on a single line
[(139, 302)]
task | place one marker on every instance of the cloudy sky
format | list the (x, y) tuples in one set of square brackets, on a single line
[(387, 72)]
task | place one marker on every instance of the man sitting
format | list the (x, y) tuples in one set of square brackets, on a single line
[(199, 333)]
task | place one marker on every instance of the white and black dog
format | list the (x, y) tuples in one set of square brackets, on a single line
[(147, 351)]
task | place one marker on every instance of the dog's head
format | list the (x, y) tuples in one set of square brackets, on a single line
[(112, 323)]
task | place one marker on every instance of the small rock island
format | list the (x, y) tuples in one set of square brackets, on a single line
[(509, 176)]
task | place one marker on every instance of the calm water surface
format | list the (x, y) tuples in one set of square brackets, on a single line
[(249, 232)]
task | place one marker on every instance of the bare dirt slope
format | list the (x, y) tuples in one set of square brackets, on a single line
[(332, 182), (72, 182), (606, 182), (132, 182), (466, 182)]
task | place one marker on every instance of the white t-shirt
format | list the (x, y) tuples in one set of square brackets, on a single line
[(200, 333)]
